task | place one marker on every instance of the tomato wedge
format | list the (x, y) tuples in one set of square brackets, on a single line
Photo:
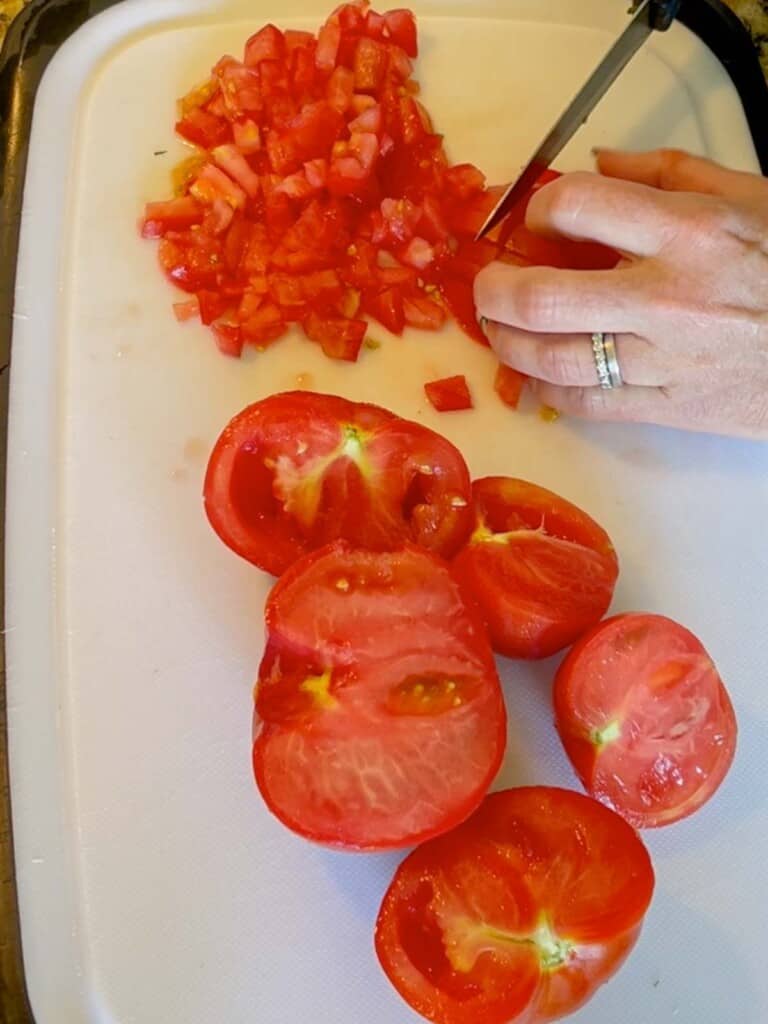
[(645, 718), (520, 914), (379, 719), (299, 470), (541, 570)]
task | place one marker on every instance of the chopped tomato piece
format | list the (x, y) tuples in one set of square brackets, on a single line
[(541, 569), (509, 385), (297, 471), (401, 26), (375, 656), (645, 719), (229, 339), (231, 160), (339, 338), (212, 305), (388, 308), (341, 88), (202, 128), (423, 313), (264, 326), (247, 135), (370, 66), (451, 394), (170, 215), (267, 44), (418, 253), (212, 184), (328, 41), (519, 914), (184, 311)]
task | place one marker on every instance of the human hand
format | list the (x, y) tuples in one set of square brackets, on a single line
[(688, 304)]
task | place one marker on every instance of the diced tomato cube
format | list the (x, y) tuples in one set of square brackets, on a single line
[(322, 286), (464, 180), (400, 63), (369, 121), (315, 129), (199, 96), (218, 218), (258, 251), (400, 217), (188, 310), (274, 83), (173, 214), (247, 135), (432, 224), (316, 172), (282, 152), (230, 159), (202, 128), (402, 30), (241, 89), (294, 39), (212, 305), (267, 44), (212, 183), (424, 313), (328, 40), (349, 303), (361, 102), (229, 339), (387, 307), (303, 72), (236, 243), (371, 60), (404, 277), (360, 270), (374, 25), (509, 385), (286, 291), (418, 253), (251, 300), (341, 89), (264, 326), (338, 338), (351, 17), (450, 394)]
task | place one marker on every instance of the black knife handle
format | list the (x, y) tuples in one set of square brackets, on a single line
[(663, 13)]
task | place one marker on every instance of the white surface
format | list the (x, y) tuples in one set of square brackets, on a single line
[(154, 887)]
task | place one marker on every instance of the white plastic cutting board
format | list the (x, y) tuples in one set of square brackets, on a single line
[(154, 887)]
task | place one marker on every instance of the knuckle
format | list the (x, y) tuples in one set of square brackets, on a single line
[(589, 403), (558, 363), (674, 165), (565, 197), (535, 304)]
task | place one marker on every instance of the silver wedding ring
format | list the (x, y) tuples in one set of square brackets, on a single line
[(606, 361)]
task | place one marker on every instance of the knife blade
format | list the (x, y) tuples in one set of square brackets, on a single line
[(648, 16)]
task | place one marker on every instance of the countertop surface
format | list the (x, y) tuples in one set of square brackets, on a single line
[(13, 1007)]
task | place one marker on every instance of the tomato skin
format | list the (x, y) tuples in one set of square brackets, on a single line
[(299, 470), (374, 656), (519, 914), (541, 570), (656, 739), (450, 394)]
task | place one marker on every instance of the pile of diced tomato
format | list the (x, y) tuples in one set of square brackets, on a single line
[(320, 193)]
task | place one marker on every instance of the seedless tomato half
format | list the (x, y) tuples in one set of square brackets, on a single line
[(379, 720), (541, 570), (520, 914), (645, 718), (299, 470)]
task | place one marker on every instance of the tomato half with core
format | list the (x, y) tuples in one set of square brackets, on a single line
[(519, 914), (299, 470), (541, 570), (645, 718), (379, 719)]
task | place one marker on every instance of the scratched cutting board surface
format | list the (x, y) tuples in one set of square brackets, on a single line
[(154, 886)]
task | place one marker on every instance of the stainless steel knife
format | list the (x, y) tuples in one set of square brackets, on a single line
[(647, 16)]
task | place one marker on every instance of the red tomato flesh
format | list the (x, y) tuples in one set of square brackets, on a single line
[(379, 720), (541, 570), (451, 394), (520, 914), (645, 718), (299, 470)]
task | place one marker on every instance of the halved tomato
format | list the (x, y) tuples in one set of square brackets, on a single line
[(299, 470), (541, 570), (645, 718), (379, 719), (520, 914)]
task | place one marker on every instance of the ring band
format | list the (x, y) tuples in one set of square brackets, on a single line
[(606, 361)]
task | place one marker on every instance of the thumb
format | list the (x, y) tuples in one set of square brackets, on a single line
[(677, 171)]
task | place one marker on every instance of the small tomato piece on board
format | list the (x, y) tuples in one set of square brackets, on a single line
[(339, 338), (541, 569), (509, 385), (519, 914), (424, 313), (401, 26), (299, 470), (267, 44), (170, 215), (202, 128), (374, 656), (645, 719), (450, 394)]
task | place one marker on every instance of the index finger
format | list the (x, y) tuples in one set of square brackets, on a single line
[(624, 215), (559, 301)]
